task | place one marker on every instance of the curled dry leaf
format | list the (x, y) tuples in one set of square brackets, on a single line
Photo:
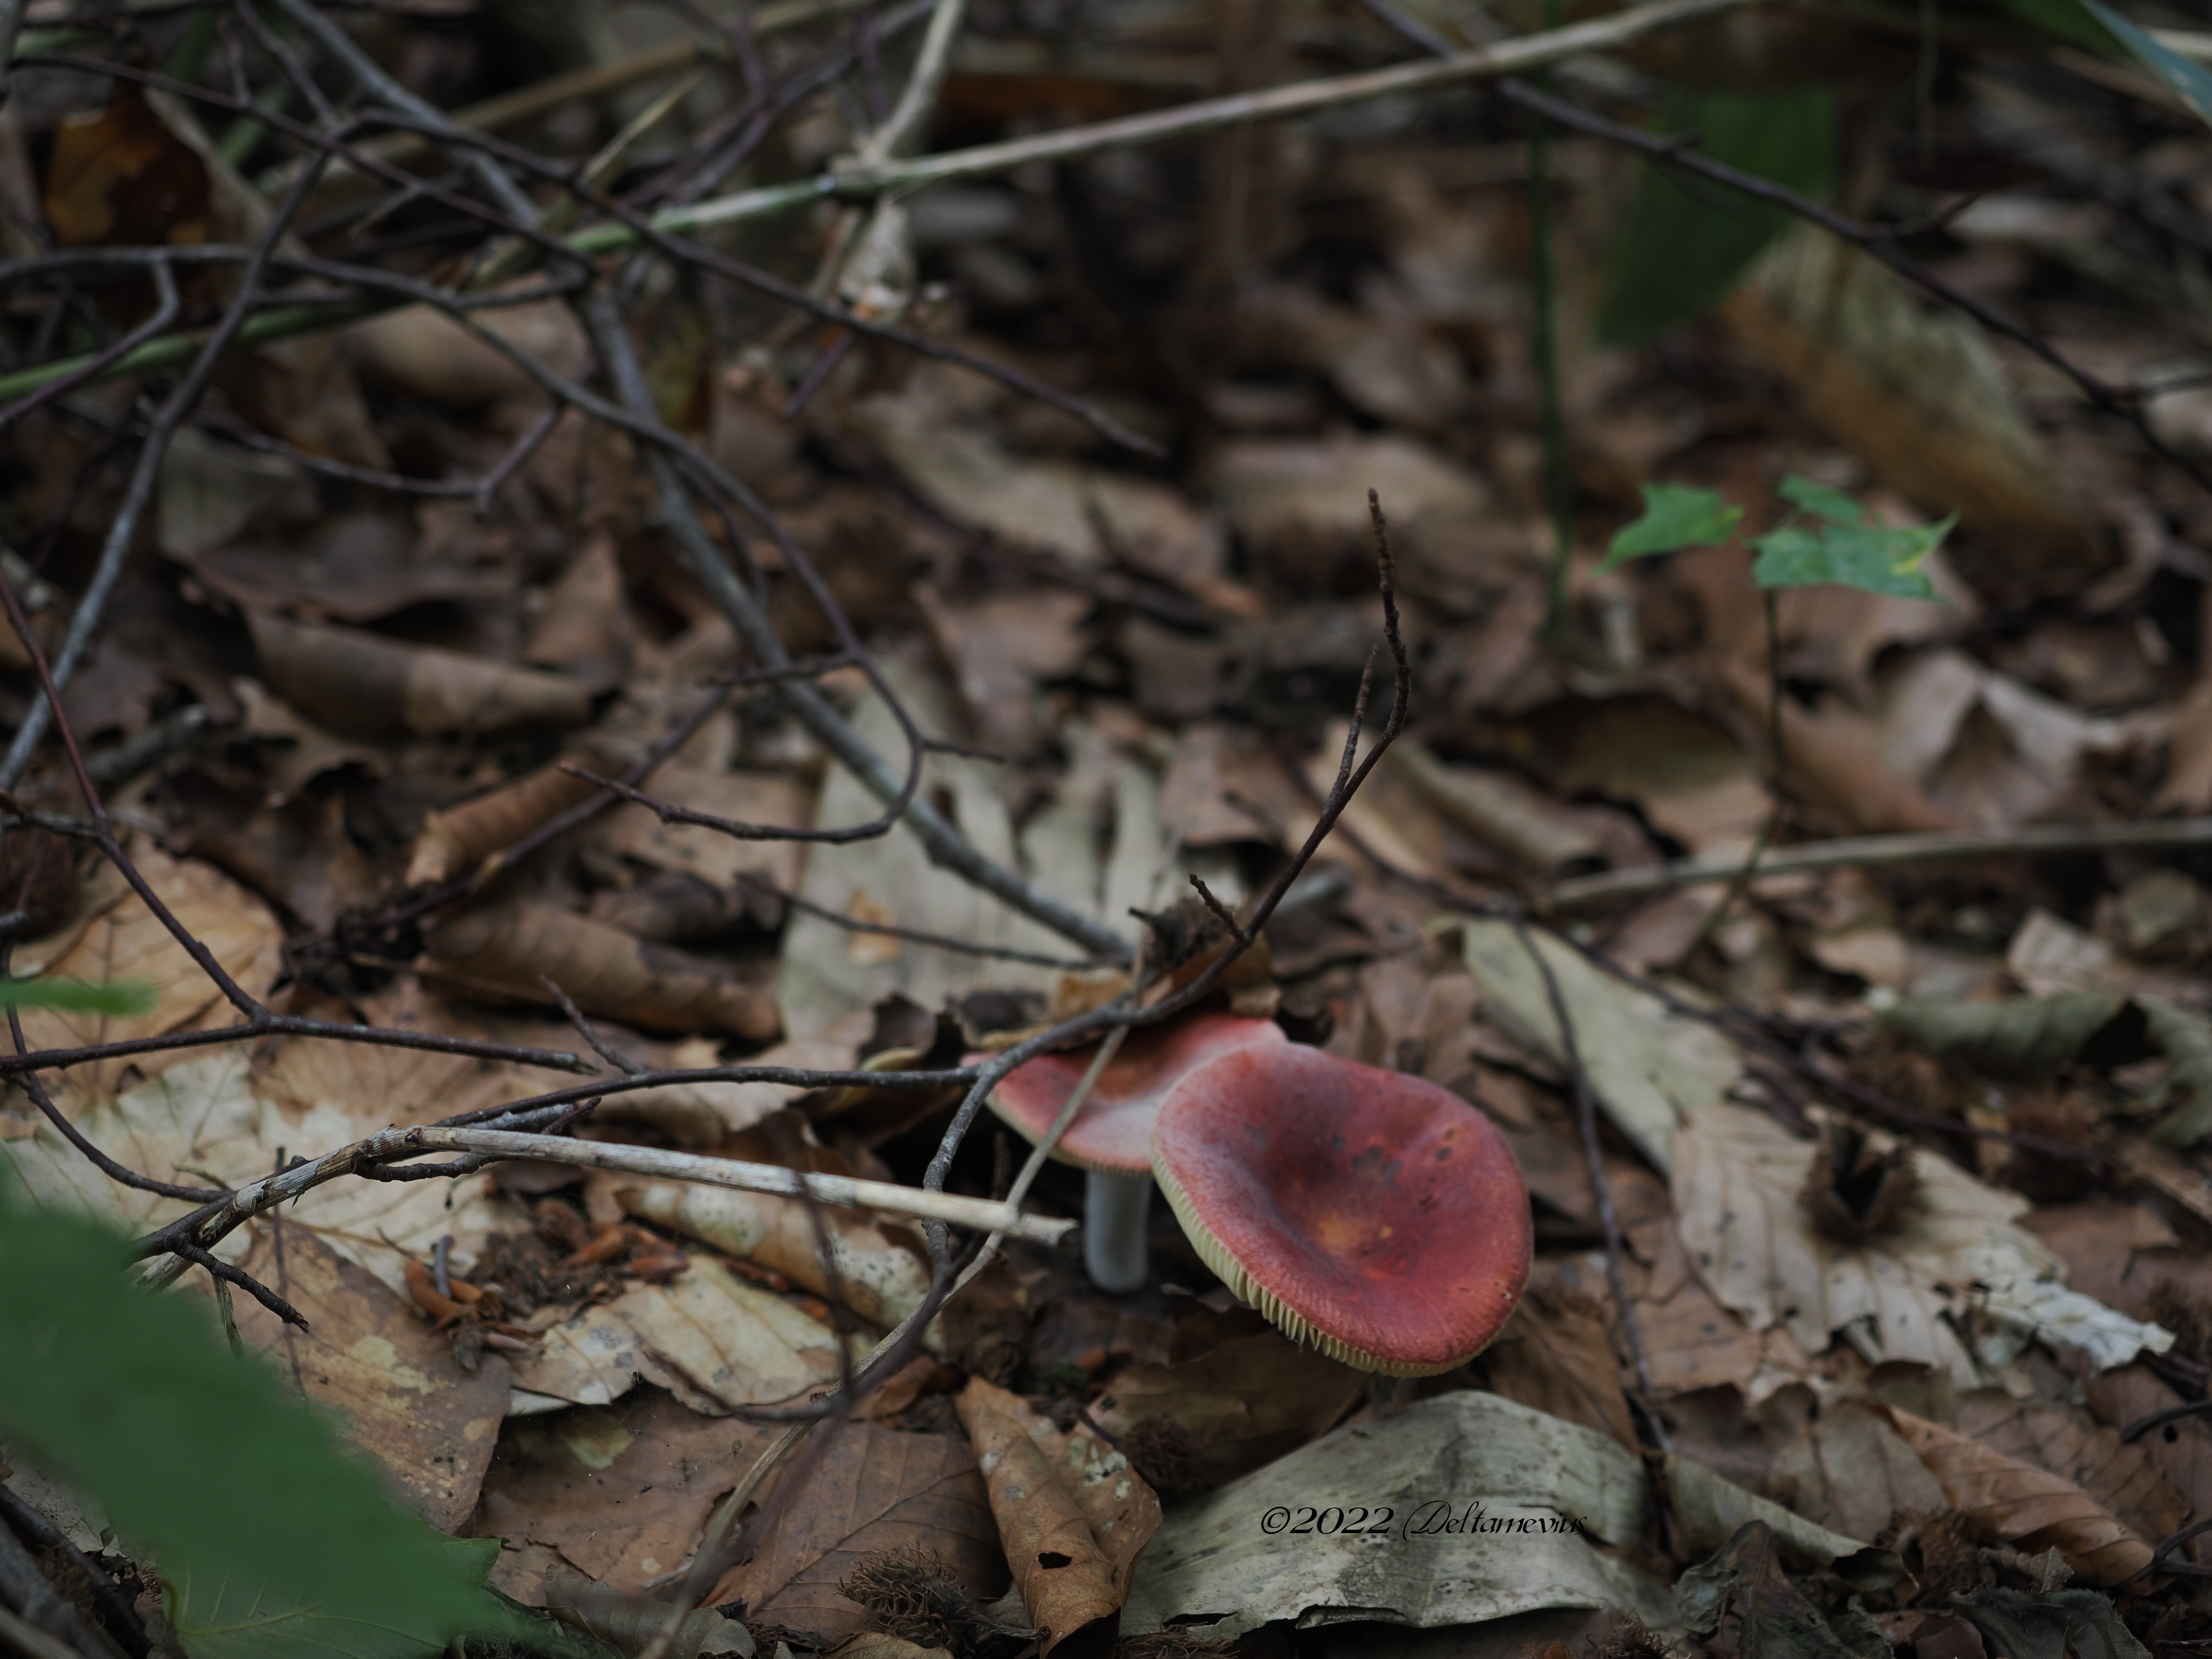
[(877, 1280), (1073, 1514), (354, 680), (455, 840), (2006, 1501), (875, 1490), (508, 953)]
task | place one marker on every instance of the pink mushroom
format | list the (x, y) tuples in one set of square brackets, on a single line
[(1378, 1217), (1111, 1137)]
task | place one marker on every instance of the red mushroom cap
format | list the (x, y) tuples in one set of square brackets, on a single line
[(1114, 1130), (1378, 1217)]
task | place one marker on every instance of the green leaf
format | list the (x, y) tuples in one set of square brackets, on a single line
[(119, 998), (1819, 500), (1870, 557), (1678, 253), (272, 1540), (1675, 516), (2092, 23)]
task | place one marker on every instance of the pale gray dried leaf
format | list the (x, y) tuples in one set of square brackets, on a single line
[(2028, 1037), (1648, 1066), (1510, 1466), (1738, 1177)]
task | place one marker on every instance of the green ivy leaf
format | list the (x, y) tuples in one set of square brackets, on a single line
[(1872, 558), (119, 998), (272, 1540), (1819, 500), (1676, 516)]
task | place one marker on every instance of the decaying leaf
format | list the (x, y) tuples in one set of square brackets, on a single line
[(1073, 1516), (1710, 1511), (2049, 1624), (354, 681), (1744, 1586), (1739, 1183), (1458, 1509), (1647, 1066), (1244, 1402), (509, 953), (877, 1280), (875, 1489), (2006, 1501), (396, 1387), (622, 1492)]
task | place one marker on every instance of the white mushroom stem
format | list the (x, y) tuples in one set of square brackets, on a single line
[(1114, 1210)]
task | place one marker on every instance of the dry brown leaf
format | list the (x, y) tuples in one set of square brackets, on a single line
[(1073, 1514), (121, 938), (2005, 1501), (1000, 650), (1246, 1402), (355, 569), (421, 349), (403, 1397), (1556, 1355), (354, 681), (877, 1280), (2064, 1440), (875, 1489), (1834, 756), (622, 1493), (586, 627), (456, 839), (508, 953), (772, 798), (2188, 785), (1499, 810), (1849, 1471), (2180, 1450), (1690, 1340)]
